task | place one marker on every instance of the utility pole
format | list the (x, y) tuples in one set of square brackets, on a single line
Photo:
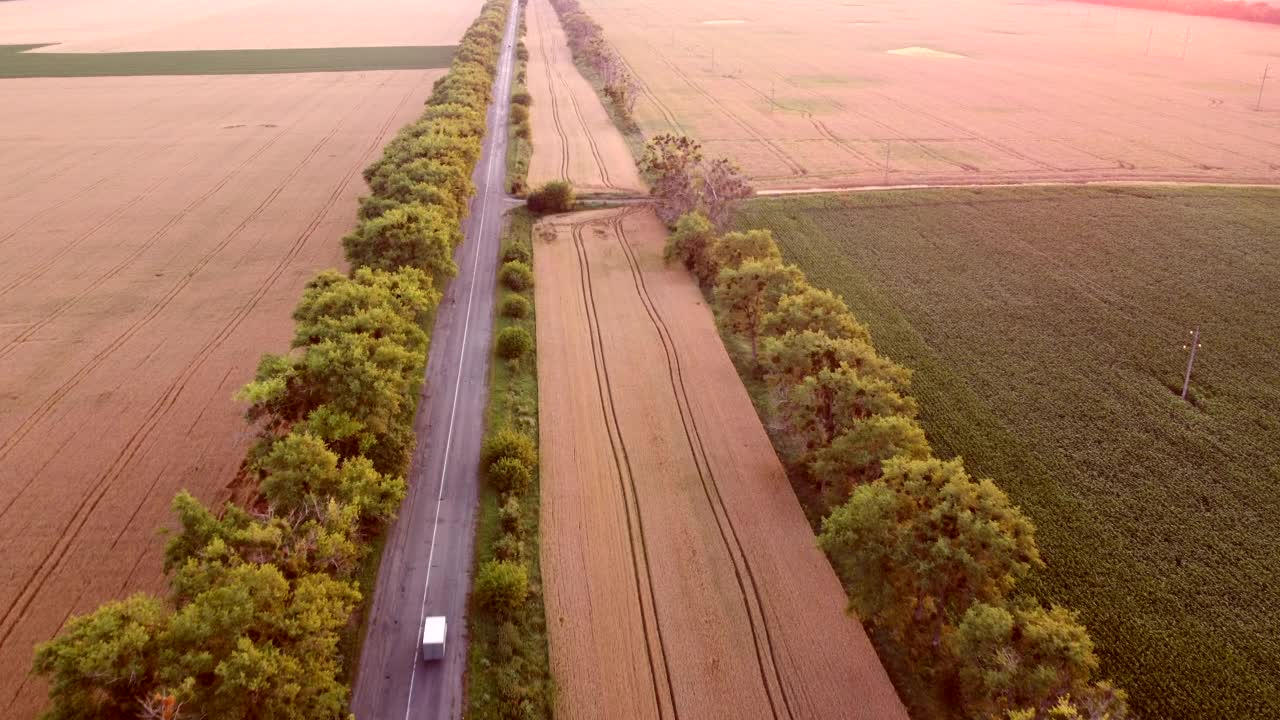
[(888, 147), (1262, 85), (1150, 32), (1185, 42), (1191, 360)]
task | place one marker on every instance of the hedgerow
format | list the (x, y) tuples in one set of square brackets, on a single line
[(930, 557), (263, 594)]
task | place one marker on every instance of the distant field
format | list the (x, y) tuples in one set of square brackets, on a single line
[(97, 26), (1046, 328), (17, 62), (822, 94)]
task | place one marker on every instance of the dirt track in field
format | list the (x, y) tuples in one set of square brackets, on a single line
[(680, 575), (912, 92), (143, 25), (153, 243), (573, 137)]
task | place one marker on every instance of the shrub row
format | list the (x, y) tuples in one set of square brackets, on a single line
[(589, 48), (263, 597), (927, 554), (520, 132), (421, 185), (510, 676)]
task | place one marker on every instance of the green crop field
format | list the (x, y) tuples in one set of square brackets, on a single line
[(16, 62), (1046, 328)]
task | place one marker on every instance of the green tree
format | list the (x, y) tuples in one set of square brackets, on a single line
[(745, 295), (302, 474), (856, 456), (816, 310), (509, 443), (501, 585), (513, 342), (101, 663), (921, 545), (510, 475), (735, 248), (367, 380), (516, 276), (515, 306), (691, 243), (554, 197), (410, 235), (788, 359), (1024, 657), (832, 401)]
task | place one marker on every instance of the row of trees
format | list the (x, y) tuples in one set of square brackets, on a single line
[(929, 555), (587, 43), (1234, 9), (263, 596)]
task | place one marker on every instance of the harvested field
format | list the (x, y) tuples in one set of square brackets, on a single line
[(818, 95), (152, 244), (573, 137), (681, 577), (1045, 326), (92, 26)]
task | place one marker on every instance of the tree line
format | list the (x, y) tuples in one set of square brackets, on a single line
[(1231, 9), (927, 554), (262, 594), (587, 43)]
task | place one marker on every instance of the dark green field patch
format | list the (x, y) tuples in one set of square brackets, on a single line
[(16, 62), (1045, 326)]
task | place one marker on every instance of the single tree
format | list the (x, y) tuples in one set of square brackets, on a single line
[(735, 248), (691, 243), (671, 161), (723, 184)]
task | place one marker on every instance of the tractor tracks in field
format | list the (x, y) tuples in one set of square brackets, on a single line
[(638, 548), (552, 75), (763, 646), (792, 165), (84, 510)]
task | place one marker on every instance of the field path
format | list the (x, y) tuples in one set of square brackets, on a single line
[(682, 579), (573, 137)]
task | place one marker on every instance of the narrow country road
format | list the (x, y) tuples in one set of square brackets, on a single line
[(426, 564)]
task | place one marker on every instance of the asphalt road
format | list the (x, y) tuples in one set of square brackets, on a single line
[(426, 564)]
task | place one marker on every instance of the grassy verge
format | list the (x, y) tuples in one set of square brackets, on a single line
[(508, 671), (15, 62), (1045, 328), (519, 132)]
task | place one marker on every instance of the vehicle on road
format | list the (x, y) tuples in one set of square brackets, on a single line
[(433, 633)]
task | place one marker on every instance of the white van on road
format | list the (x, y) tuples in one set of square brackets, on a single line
[(433, 634)]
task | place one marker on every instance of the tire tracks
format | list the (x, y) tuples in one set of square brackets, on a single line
[(577, 109), (53, 559), (555, 106), (794, 167), (626, 480), (697, 450)]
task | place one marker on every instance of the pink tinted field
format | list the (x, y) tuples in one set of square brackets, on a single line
[(817, 94)]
